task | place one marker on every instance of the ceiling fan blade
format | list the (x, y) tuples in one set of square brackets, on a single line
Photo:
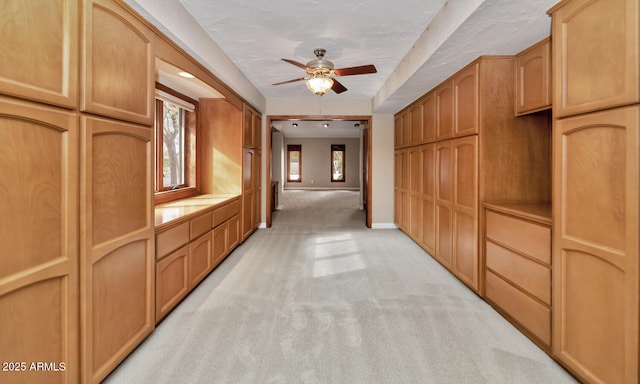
[(337, 87), (297, 64), (361, 70), (290, 81)]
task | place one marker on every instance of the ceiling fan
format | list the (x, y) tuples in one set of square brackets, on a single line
[(320, 73)]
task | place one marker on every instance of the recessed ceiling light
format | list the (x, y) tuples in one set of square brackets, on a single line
[(326, 125), (294, 125), (186, 74)]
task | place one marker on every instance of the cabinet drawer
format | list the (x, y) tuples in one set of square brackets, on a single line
[(200, 225), (220, 215), (234, 208), (528, 238), (529, 313), (173, 238), (527, 274)]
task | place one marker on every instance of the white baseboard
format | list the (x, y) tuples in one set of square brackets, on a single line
[(383, 226)]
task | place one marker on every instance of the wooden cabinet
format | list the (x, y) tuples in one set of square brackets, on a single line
[(444, 200), (415, 124), (482, 152), (116, 252), (518, 266), (401, 129), (444, 94), (39, 276), (172, 281), (40, 51), (595, 244), (466, 101), (118, 67), (465, 211), (533, 78), (596, 180), (189, 247), (251, 127), (595, 55)]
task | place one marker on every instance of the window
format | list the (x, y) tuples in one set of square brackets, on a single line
[(337, 162), (174, 145), (294, 163)]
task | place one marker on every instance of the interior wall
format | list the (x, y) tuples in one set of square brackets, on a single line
[(316, 163)]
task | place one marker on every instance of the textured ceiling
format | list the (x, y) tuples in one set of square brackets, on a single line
[(414, 44)]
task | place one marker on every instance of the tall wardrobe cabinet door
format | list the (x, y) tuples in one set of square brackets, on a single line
[(595, 246), (38, 233), (117, 246), (465, 210), (428, 191), (444, 202), (606, 32), (117, 65), (39, 42)]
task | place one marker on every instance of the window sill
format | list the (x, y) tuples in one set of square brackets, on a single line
[(167, 196)]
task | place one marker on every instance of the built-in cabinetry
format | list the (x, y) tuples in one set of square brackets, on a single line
[(78, 268), (533, 78), (471, 149), (596, 180), (192, 237), (518, 266), (251, 170)]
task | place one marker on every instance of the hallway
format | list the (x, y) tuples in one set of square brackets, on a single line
[(319, 298)]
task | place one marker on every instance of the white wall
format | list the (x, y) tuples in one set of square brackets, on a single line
[(316, 163)]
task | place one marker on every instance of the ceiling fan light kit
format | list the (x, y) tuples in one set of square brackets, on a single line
[(321, 74)]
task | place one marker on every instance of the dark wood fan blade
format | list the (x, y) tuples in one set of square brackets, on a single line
[(361, 70), (337, 87), (290, 81), (297, 64)]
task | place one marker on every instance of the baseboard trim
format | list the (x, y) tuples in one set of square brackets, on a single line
[(383, 226)]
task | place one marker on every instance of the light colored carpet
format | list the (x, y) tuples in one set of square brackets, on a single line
[(319, 298)]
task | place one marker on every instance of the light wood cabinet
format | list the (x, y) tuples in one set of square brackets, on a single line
[(250, 191), (401, 189), (465, 211), (444, 202), (251, 127), (518, 266), (117, 249), (414, 193), (39, 276), (39, 58), (595, 55), (428, 197), (172, 281), (444, 95), (533, 78), (402, 134), (466, 101), (595, 244), (200, 259), (118, 74), (415, 124), (429, 120)]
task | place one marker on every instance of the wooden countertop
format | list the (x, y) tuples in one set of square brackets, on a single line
[(540, 212), (184, 209)]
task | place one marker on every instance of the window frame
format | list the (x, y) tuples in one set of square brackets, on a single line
[(189, 187), (294, 148), (339, 148)]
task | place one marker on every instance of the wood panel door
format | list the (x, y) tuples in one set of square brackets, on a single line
[(595, 55), (429, 118), (465, 211), (428, 196), (118, 64), (172, 281), (220, 235), (200, 259), (533, 78), (415, 124), (595, 244), (401, 192), (444, 110), (444, 202), (39, 58), (415, 195), (117, 247), (466, 101), (39, 236)]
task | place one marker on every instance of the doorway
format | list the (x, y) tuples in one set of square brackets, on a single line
[(277, 124)]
